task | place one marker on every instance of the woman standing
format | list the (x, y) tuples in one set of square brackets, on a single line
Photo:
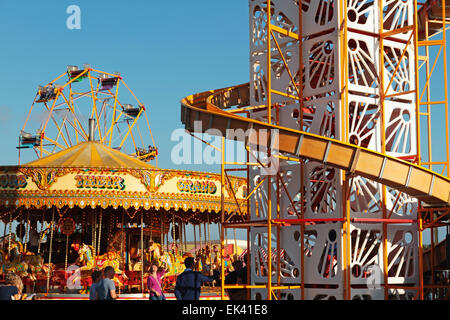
[(12, 290), (154, 283)]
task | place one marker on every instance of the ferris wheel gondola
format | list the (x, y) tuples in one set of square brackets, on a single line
[(60, 113)]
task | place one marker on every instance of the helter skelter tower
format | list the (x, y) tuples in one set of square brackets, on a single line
[(345, 70)]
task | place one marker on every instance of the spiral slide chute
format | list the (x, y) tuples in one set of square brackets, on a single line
[(209, 108)]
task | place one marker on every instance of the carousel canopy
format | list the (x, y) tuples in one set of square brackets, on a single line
[(91, 174)]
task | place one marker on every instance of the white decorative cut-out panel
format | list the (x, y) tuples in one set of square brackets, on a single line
[(363, 63), (363, 15), (323, 294), (366, 260), (402, 254), (321, 56), (400, 124), (319, 16), (260, 253), (323, 191), (323, 256)]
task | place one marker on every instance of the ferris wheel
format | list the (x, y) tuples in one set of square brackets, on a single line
[(87, 104)]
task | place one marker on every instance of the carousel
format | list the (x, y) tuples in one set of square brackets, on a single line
[(92, 198)]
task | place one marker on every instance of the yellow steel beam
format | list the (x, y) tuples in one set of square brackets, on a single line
[(419, 182)]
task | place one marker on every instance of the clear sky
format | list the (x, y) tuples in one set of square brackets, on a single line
[(164, 50)]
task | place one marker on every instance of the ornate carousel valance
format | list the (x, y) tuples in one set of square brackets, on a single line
[(92, 175)]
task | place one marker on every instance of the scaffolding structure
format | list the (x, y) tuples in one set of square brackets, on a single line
[(337, 81)]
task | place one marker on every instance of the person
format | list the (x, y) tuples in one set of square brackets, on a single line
[(154, 283), (189, 282), (12, 290), (106, 289), (96, 279), (236, 277), (34, 239), (216, 274)]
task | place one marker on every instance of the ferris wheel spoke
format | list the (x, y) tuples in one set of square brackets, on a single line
[(94, 103), (148, 125), (109, 132), (59, 129), (54, 142), (132, 136), (140, 135), (57, 78), (29, 112), (89, 94), (75, 119), (130, 128), (60, 133), (114, 112), (77, 130), (123, 81)]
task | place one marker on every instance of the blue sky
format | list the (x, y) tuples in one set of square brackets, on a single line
[(164, 52)]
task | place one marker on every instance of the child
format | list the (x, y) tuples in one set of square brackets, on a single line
[(96, 278)]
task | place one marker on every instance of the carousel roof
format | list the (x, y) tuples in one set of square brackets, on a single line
[(91, 154), (92, 174)]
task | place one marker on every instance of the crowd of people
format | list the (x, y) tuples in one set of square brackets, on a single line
[(188, 283), (202, 270)]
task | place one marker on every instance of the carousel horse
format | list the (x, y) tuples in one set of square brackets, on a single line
[(156, 254), (111, 258), (11, 260), (24, 263)]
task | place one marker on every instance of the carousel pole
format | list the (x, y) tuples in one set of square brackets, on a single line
[(27, 233), (40, 233), (200, 235), (167, 238), (67, 251), (150, 225), (99, 234), (50, 250), (206, 236), (10, 233), (142, 252), (161, 233), (210, 245), (235, 251), (122, 240), (4, 230), (195, 241), (185, 238), (180, 233), (218, 227), (209, 233), (174, 243), (121, 243), (94, 234)]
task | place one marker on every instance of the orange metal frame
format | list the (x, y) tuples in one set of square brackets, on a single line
[(273, 290)]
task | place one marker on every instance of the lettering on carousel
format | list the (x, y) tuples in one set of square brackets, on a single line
[(197, 186), (100, 182), (13, 181)]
